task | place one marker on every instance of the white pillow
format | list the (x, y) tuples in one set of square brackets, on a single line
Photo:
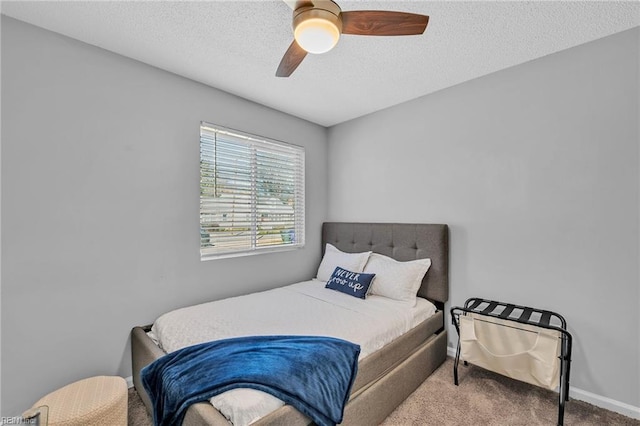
[(396, 280), (333, 258)]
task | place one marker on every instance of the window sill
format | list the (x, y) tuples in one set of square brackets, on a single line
[(206, 257)]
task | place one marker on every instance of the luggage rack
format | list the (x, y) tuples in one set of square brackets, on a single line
[(523, 315)]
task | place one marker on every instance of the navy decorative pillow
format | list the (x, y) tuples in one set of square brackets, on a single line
[(353, 283)]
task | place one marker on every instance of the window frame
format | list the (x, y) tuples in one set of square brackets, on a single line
[(254, 144)]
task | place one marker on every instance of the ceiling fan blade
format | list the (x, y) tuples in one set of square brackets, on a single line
[(383, 23), (291, 59)]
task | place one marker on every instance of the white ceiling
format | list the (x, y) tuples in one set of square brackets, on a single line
[(236, 45)]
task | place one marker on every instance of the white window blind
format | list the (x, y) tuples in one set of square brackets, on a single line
[(251, 193)]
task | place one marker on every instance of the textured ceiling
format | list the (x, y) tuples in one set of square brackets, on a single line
[(236, 45)]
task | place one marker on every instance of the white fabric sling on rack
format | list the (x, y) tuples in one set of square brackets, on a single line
[(520, 351)]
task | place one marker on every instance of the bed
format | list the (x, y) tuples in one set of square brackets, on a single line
[(386, 376)]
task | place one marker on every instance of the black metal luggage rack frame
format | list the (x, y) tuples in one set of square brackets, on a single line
[(530, 316)]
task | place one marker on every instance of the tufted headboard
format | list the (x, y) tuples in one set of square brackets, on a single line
[(401, 241)]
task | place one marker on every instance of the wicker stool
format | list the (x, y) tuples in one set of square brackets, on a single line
[(95, 401)]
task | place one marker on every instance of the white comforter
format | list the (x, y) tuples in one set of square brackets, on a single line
[(305, 308)]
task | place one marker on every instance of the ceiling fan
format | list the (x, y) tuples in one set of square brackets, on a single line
[(318, 24)]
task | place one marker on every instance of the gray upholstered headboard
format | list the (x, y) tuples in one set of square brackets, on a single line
[(401, 241)]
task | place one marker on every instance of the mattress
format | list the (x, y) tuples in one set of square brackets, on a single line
[(305, 308)]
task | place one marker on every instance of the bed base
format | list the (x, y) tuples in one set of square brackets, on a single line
[(382, 383), (369, 406)]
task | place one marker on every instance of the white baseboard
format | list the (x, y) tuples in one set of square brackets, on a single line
[(604, 402), (451, 352), (597, 400), (129, 381)]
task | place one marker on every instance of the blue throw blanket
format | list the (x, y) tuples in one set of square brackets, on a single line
[(313, 374)]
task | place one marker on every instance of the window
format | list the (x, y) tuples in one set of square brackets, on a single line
[(251, 193)]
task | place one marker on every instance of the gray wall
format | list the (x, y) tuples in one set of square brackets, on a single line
[(536, 170), (100, 190)]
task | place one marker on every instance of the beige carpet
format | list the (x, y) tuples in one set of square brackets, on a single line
[(483, 398)]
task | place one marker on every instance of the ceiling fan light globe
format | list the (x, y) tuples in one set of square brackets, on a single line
[(317, 30), (317, 35)]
